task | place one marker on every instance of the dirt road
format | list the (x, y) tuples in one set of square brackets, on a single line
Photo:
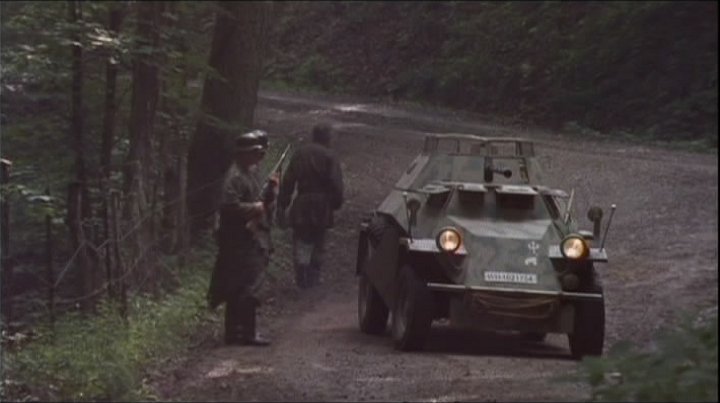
[(663, 261)]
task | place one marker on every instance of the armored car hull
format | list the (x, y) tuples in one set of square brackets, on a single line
[(469, 233)]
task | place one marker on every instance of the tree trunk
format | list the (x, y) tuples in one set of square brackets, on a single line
[(111, 70), (228, 102), (6, 289), (139, 166), (78, 140)]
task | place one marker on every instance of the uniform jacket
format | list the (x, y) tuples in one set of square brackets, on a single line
[(314, 173), (243, 249)]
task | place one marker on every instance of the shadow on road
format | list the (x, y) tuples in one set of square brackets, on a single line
[(448, 340)]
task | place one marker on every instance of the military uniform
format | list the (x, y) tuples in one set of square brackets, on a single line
[(243, 254), (315, 173)]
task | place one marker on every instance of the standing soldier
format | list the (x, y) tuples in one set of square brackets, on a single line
[(318, 176), (243, 241)]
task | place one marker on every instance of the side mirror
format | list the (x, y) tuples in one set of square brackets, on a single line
[(595, 215)]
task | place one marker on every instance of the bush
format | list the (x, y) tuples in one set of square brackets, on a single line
[(102, 357), (681, 365)]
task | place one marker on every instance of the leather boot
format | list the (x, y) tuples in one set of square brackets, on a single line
[(301, 277), (251, 337), (233, 329), (313, 275)]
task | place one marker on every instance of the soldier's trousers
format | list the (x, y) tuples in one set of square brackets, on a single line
[(240, 318), (308, 253)]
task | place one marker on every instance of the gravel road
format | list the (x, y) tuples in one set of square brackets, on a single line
[(662, 249)]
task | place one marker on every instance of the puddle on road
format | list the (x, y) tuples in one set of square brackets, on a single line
[(352, 108), (228, 367)]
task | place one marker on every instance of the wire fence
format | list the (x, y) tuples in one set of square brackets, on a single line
[(130, 266)]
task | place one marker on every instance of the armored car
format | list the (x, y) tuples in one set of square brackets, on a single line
[(470, 233)]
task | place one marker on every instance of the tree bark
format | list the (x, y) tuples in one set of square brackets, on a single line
[(88, 279), (138, 172), (116, 15), (228, 102), (6, 289)]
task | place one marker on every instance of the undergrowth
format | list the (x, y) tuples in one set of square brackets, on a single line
[(101, 357), (680, 365)]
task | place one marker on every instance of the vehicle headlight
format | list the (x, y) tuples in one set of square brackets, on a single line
[(448, 240), (574, 247)]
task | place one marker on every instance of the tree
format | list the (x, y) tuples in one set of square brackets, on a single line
[(138, 172), (79, 208), (228, 101)]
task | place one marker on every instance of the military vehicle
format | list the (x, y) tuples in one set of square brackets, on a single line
[(469, 233)]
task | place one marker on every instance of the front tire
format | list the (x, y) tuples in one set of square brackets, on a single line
[(588, 334), (413, 312), (372, 311)]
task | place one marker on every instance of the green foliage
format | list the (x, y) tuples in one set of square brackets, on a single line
[(682, 365), (643, 67), (101, 357)]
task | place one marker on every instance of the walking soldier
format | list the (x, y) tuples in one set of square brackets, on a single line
[(315, 174)]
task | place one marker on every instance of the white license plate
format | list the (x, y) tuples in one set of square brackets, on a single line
[(509, 277)]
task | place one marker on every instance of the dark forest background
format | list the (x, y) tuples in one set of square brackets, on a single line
[(115, 119), (648, 68)]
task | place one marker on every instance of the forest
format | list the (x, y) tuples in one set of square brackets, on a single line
[(116, 119)]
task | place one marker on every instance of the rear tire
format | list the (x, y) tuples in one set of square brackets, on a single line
[(588, 334), (413, 312)]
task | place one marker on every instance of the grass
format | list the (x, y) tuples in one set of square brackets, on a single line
[(101, 357)]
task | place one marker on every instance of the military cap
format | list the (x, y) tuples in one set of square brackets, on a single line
[(251, 141)]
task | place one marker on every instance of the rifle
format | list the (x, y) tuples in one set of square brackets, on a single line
[(276, 169), (266, 195)]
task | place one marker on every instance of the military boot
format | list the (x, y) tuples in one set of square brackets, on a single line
[(250, 335), (301, 276), (313, 275), (233, 329)]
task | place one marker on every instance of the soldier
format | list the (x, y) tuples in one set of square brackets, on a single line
[(314, 171), (243, 241)]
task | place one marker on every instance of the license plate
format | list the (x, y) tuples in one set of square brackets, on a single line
[(509, 277)]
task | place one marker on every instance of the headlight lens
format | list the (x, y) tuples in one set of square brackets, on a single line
[(449, 240), (574, 247)]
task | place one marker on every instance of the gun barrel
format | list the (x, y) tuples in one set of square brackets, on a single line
[(277, 168)]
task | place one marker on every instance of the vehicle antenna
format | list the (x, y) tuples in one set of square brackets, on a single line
[(569, 206), (607, 227)]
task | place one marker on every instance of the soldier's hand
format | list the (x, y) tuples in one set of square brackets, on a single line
[(258, 209), (273, 188)]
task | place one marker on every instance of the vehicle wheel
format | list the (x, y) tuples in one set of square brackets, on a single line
[(589, 329), (372, 311), (413, 312), (377, 227), (534, 336)]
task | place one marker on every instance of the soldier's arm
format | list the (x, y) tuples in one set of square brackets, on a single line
[(236, 201)]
